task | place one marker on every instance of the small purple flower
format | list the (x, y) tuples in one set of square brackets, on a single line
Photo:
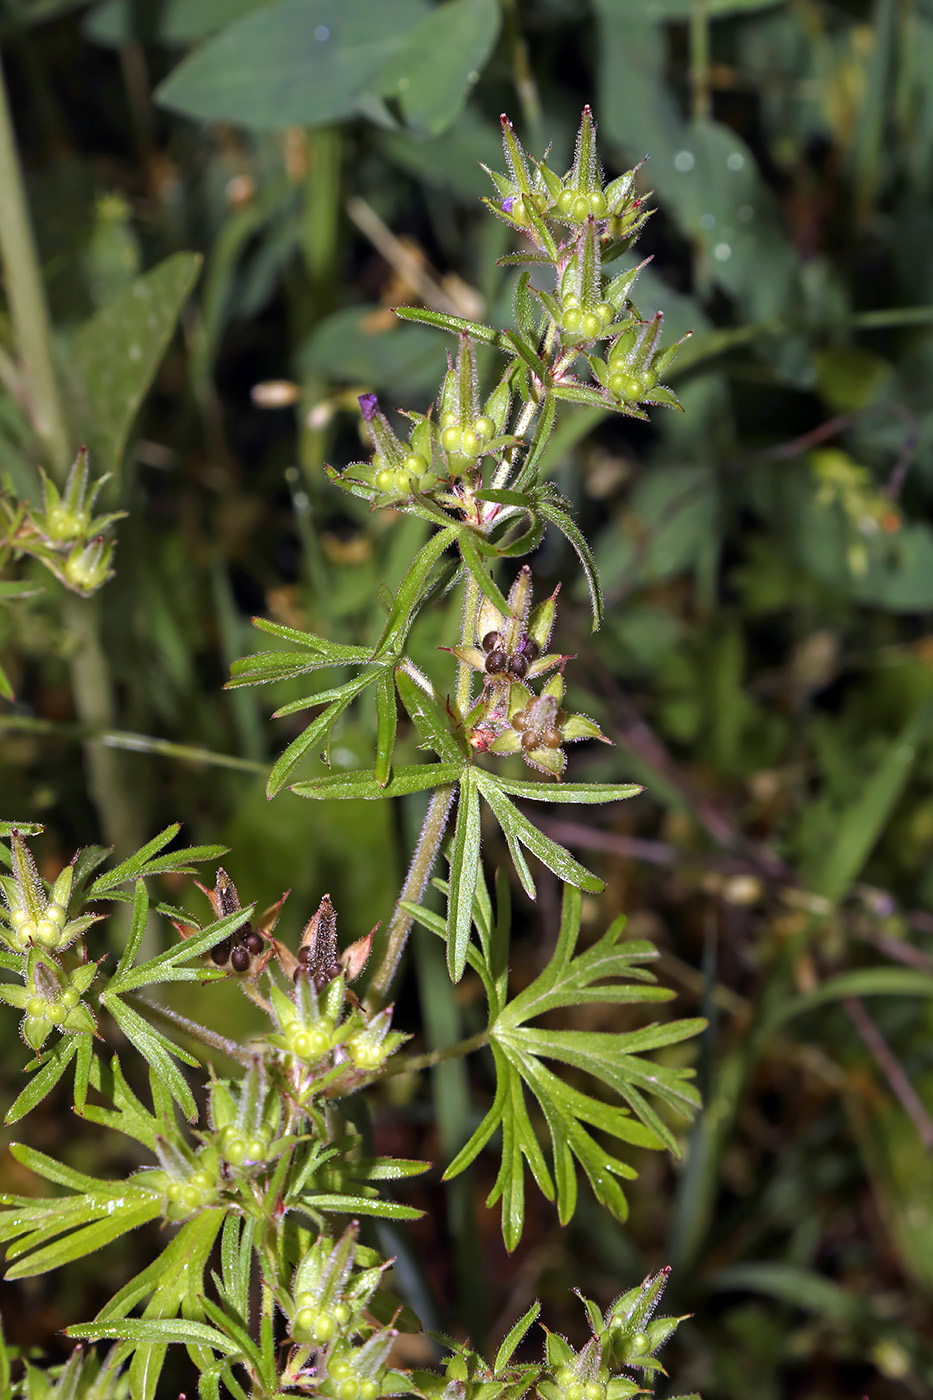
[(369, 406), (508, 202)]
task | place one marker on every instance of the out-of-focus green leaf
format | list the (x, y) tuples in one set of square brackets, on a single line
[(860, 827), (789, 1283), (116, 22), (360, 345), (292, 63), (657, 10), (850, 378), (114, 357), (440, 61), (861, 982)]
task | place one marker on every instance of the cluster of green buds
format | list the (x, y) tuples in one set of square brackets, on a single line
[(468, 431), (529, 195), (187, 1181), (624, 1338), (65, 535), (634, 365), (51, 996), (439, 451), (323, 1032), (630, 1336), (509, 717), (330, 1292), (340, 1351), (575, 224), (246, 1120), (36, 914), (584, 308)]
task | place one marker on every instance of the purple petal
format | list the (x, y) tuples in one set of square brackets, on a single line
[(369, 406), (508, 202)]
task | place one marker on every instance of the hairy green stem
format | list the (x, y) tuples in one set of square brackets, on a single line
[(419, 872), (111, 792), (120, 818), (134, 743), (471, 606), (432, 832), (198, 1033), (28, 307), (437, 1057)]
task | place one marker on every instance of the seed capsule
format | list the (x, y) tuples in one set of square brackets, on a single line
[(221, 951), (240, 959), (253, 942)]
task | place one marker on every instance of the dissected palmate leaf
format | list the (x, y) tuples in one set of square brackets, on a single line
[(76, 1044), (146, 862), (517, 828), (572, 979), (555, 510), (415, 777), (177, 1287), (53, 1230), (464, 868)]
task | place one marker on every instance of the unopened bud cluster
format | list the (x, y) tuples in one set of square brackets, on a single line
[(574, 223), (65, 535), (35, 926)]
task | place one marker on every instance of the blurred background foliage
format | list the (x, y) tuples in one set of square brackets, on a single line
[(766, 665)]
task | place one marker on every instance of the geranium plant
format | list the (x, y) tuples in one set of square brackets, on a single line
[(268, 1273)]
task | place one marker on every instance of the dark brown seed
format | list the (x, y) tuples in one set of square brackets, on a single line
[(520, 720), (240, 959), (518, 666), (531, 739), (530, 649), (496, 662), (552, 738), (221, 951), (305, 954), (491, 640), (254, 942)]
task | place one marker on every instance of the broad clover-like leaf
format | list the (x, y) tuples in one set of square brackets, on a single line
[(575, 979)]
